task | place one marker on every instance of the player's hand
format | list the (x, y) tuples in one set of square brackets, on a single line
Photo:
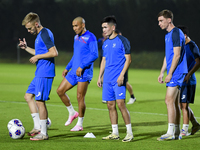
[(186, 79), (79, 71), (64, 73), (168, 78), (120, 80), (22, 44), (99, 83), (33, 59), (160, 79)]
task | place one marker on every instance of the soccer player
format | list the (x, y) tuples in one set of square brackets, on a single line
[(176, 64), (81, 73), (189, 86), (115, 62), (128, 85), (40, 87)]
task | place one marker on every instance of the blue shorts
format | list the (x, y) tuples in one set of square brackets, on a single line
[(40, 87), (176, 80), (74, 79), (187, 94), (112, 92)]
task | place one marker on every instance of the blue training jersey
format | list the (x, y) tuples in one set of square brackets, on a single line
[(114, 51), (192, 52), (43, 42), (175, 38), (85, 53)]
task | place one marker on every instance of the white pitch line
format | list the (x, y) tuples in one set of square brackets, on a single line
[(144, 113)]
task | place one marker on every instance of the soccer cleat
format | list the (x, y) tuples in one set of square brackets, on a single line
[(40, 137), (166, 137), (131, 100), (71, 118), (111, 137), (34, 132), (77, 128), (128, 138), (184, 133), (195, 129)]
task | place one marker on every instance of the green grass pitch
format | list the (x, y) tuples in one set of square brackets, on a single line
[(148, 114)]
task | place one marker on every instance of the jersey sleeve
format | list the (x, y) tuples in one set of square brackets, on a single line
[(46, 39), (195, 50), (69, 65), (93, 54), (126, 44), (176, 38)]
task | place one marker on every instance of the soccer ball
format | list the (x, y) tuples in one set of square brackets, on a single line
[(48, 123), (16, 122), (16, 131)]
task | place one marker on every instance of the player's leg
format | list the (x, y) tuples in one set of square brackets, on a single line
[(178, 116), (29, 97), (130, 90), (195, 124), (81, 92), (64, 86), (171, 95), (114, 121)]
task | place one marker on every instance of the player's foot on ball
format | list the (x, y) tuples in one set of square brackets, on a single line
[(128, 138), (111, 137), (34, 132), (195, 129), (166, 137), (71, 118), (40, 137), (77, 128)]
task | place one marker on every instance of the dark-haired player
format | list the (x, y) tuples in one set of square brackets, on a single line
[(189, 86), (115, 62)]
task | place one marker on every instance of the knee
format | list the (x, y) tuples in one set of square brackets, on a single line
[(27, 97), (80, 97), (59, 92)]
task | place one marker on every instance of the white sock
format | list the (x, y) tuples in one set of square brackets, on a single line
[(36, 120), (129, 128), (80, 121), (185, 127), (170, 128), (115, 129), (43, 126), (71, 110), (177, 129)]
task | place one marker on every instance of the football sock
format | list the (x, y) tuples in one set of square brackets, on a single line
[(71, 110), (80, 121), (36, 120), (170, 128), (132, 96), (129, 128), (115, 129), (43, 126), (177, 129), (185, 127), (194, 122)]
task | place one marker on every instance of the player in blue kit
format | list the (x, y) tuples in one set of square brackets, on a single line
[(189, 86), (176, 64), (79, 71), (115, 62), (40, 87)]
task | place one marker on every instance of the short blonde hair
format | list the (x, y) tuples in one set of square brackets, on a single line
[(31, 17)]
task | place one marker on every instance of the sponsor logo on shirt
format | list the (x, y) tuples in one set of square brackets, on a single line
[(114, 45), (106, 46)]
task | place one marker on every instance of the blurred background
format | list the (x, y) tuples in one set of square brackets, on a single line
[(136, 19)]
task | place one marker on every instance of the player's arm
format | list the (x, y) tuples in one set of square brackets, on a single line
[(164, 67), (101, 72), (175, 60), (23, 45), (51, 53), (120, 79), (92, 56)]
